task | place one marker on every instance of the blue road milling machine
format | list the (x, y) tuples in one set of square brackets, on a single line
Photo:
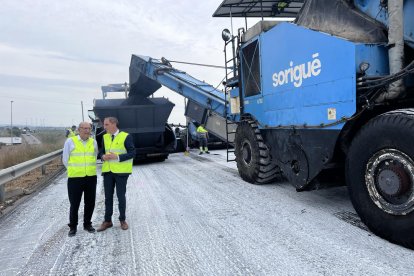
[(332, 90)]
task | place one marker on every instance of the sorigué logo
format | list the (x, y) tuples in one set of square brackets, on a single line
[(296, 74)]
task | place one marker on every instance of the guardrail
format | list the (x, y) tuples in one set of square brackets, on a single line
[(15, 171)]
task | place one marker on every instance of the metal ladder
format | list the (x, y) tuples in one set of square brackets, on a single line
[(230, 146), (231, 81)]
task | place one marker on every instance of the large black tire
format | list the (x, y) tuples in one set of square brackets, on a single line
[(252, 155), (380, 176)]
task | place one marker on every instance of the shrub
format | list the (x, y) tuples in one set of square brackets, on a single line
[(52, 140)]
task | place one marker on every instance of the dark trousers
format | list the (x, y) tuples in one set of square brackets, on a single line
[(203, 142), (112, 180), (76, 187)]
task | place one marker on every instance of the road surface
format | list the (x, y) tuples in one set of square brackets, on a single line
[(30, 139), (193, 215)]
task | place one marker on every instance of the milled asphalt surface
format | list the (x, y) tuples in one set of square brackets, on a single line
[(193, 215)]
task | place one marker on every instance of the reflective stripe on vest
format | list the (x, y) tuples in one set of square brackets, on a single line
[(116, 146), (82, 159)]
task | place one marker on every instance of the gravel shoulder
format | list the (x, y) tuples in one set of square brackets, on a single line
[(29, 183)]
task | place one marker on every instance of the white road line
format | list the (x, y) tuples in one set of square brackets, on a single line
[(58, 256), (133, 252)]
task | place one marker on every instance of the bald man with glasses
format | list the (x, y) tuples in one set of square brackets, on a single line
[(79, 158)]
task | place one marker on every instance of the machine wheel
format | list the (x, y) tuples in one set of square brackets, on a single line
[(252, 155), (380, 176)]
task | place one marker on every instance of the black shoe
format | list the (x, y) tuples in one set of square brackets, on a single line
[(200, 153), (207, 152), (89, 228), (72, 232)]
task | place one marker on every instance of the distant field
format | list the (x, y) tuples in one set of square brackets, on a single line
[(51, 140)]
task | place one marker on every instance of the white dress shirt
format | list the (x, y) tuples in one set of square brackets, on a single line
[(115, 134)]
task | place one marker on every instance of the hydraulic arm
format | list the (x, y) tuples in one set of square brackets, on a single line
[(144, 68)]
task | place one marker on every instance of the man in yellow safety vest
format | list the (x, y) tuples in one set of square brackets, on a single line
[(70, 132), (117, 154), (202, 135), (79, 158)]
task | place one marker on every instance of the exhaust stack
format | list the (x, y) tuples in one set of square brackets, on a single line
[(396, 51)]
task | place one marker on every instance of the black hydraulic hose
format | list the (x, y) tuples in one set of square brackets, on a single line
[(381, 84), (384, 81), (391, 77), (368, 80), (408, 69)]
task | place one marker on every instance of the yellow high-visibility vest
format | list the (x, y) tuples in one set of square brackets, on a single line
[(116, 146), (71, 133), (202, 132), (201, 129), (82, 160)]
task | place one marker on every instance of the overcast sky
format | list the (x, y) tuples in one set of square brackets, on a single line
[(55, 54)]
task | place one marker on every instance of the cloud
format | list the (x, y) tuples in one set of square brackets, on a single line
[(73, 45), (13, 81)]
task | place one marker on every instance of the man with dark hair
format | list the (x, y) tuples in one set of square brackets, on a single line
[(79, 157), (117, 155)]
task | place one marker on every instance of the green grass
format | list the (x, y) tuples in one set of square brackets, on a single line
[(52, 140)]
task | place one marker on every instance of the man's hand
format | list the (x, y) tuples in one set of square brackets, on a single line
[(109, 156)]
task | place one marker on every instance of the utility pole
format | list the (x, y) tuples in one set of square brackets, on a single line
[(126, 90), (83, 119), (187, 148), (11, 122)]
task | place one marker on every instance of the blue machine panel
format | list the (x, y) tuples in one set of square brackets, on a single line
[(307, 78), (376, 56)]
